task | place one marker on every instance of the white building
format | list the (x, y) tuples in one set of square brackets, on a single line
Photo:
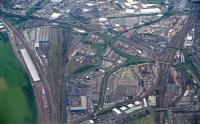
[(56, 1), (55, 15), (137, 103), (152, 100), (116, 111), (130, 105), (123, 108), (145, 102), (135, 108), (82, 106), (150, 11), (130, 11), (30, 65)]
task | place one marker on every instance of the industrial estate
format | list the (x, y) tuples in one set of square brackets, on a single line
[(100, 61)]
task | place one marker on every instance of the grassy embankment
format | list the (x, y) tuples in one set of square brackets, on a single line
[(149, 119), (189, 66), (17, 102)]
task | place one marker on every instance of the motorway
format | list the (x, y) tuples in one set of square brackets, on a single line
[(62, 23)]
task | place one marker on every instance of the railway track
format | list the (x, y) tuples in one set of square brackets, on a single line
[(169, 54), (41, 70)]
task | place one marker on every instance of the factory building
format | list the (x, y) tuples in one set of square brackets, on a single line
[(56, 1), (79, 104), (152, 100), (135, 108), (150, 11), (30, 65), (145, 102), (130, 105), (55, 15), (116, 111), (42, 35), (123, 108)]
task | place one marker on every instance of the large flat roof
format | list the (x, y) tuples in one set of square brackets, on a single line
[(116, 111), (150, 11), (55, 15), (56, 1), (82, 106), (30, 65)]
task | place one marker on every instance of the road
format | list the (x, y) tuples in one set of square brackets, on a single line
[(61, 23), (180, 108)]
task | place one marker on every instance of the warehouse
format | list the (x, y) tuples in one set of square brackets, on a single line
[(150, 11), (30, 65), (78, 103), (56, 1)]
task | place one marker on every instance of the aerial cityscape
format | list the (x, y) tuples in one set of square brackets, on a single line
[(99, 61)]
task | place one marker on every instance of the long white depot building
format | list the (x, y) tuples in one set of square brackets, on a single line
[(56, 1), (30, 65)]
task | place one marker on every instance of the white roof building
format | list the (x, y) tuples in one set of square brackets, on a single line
[(145, 102), (189, 37), (136, 108), (130, 11), (152, 100), (82, 106), (116, 111), (103, 19), (129, 1), (123, 108), (186, 93), (79, 30), (91, 121), (90, 4), (130, 105), (55, 15), (150, 11), (30, 65), (56, 1), (37, 44), (137, 103)]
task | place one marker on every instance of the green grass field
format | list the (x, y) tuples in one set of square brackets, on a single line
[(17, 102), (149, 119), (189, 67)]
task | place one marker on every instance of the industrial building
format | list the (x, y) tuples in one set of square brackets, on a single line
[(135, 108), (79, 104), (30, 65), (116, 111), (56, 1), (123, 108), (37, 35), (145, 102), (150, 11), (55, 15), (130, 105), (152, 100), (42, 34)]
